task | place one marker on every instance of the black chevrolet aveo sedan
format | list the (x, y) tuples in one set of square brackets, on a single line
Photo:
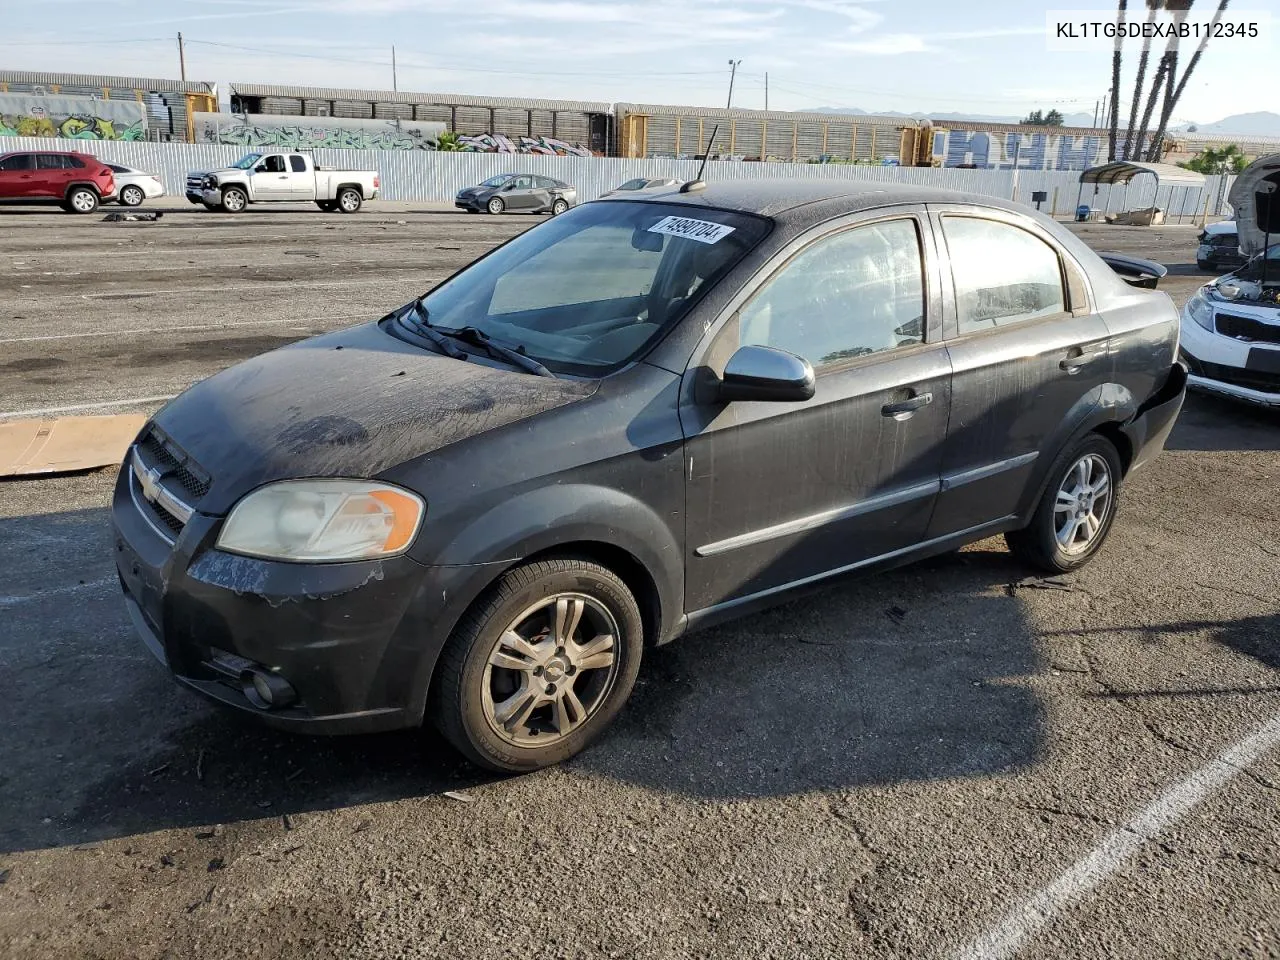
[(638, 418)]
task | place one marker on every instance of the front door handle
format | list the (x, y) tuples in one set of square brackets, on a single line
[(1076, 360), (906, 409)]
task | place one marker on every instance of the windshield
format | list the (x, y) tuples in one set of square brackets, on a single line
[(498, 180), (590, 290), (633, 185), (247, 161)]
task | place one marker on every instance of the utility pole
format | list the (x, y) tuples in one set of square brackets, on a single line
[(393, 67), (766, 90), (182, 58), (733, 72), (1096, 105)]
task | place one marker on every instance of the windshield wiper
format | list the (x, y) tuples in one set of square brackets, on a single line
[(479, 338), (417, 320)]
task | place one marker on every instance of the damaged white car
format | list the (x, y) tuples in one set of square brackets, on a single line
[(1231, 327)]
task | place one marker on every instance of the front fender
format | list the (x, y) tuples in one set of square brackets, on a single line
[(545, 518)]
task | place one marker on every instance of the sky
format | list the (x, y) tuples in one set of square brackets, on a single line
[(934, 56)]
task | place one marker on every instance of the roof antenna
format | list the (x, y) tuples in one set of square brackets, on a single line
[(697, 183)]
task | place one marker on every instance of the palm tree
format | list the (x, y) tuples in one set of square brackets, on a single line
[(1115, 82), (1174, 94), (1164, 72), (1131, 151)]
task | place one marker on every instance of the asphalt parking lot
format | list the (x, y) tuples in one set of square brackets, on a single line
[(940, 762)]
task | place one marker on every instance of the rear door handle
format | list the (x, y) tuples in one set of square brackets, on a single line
[(1076, 359), (905, 409)]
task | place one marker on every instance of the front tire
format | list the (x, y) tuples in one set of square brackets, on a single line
[(540, 666), (1075, 514), (496, 206), (1205, 266), (81, 200), (234, 199), (132, 196)]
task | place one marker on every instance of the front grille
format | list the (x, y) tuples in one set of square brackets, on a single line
[(176, 465), (1247, 328)]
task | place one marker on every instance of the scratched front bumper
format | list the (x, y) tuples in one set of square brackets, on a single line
[(354, 639)]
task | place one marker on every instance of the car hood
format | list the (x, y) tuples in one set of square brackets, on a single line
[(347, 404), (1258, 176)]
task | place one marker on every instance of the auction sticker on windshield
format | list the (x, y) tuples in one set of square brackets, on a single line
[(704, 231)]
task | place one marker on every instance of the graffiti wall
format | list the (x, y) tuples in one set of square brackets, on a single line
[(72, 118), (297, 133), (997, 150), (539, 146)]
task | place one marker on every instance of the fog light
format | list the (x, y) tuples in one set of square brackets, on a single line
[(267, 691)]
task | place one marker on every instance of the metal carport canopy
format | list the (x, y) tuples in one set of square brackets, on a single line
[(1122, 171)]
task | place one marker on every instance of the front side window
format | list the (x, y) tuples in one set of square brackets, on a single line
[(273, 164), (297, 163), (850, 295), (1003, 274), (524, 183), (19, 161), (589, 290)]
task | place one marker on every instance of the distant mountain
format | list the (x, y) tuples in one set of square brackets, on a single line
[(1260, 124)]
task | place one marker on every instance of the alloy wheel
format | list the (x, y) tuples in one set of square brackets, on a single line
[(551, 669), (1084, 497)]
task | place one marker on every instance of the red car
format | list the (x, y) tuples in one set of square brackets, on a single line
[(78, 181)]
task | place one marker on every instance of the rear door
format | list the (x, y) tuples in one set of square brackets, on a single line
[(16, 175), (302, 181), (52, 175), (783, 492), (1029, 358)]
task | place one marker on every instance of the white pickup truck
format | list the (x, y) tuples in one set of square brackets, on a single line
[(281, 178)]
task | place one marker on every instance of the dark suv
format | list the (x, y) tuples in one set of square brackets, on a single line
[(638, 418), (78, 181)]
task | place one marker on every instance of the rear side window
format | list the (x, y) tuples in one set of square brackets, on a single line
[(546, 183), (116, 168), (1003, 274), (297, 163), (19, 161), (51, 161), (73, 162)]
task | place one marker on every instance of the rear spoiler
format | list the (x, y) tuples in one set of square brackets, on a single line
[(1136, 271)]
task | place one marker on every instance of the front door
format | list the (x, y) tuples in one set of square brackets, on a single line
[(521, 194), (779, 493), (1029, 358), (271, 179)]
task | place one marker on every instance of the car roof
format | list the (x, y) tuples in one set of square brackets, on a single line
[(771, 197)]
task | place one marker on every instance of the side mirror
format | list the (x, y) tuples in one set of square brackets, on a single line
[(510, 186), (766, 374)]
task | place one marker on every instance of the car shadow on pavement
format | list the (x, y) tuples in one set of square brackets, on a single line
[(916, 674), (1211, 423), (911, 675)]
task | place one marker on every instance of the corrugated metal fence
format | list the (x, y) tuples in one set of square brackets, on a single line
[(428, 176)]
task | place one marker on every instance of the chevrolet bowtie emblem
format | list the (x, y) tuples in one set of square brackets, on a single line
[(149, 480)]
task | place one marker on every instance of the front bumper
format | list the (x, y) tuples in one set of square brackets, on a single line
[(1228, 367), (357, 641), (468, 203)]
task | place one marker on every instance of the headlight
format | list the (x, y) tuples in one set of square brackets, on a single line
[(323, 521), (1198, 309), (210, 182)]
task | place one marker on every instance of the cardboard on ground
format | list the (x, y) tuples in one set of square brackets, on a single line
[(65, 444)]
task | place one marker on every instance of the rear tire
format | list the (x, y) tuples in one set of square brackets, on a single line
[(496, 206), (348, 200), (559, 207), (1075, 513), (131, 195), (572, 664), (81, 200), (234, 200)]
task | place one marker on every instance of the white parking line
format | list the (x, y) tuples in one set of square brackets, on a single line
[(1030, 916), (127, 402), (194, 326), (58, 591)]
